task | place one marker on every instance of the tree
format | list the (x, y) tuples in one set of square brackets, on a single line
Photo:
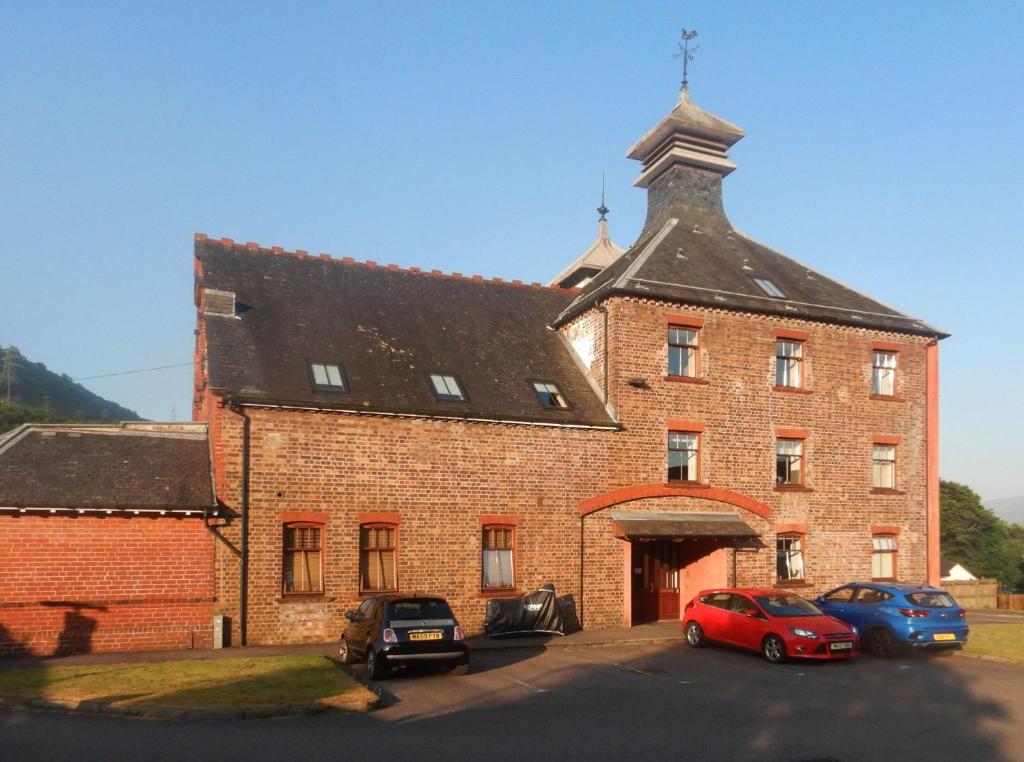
[(975, 537)]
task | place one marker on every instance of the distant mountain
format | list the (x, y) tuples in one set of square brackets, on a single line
[(39, 394), (1008, 508)]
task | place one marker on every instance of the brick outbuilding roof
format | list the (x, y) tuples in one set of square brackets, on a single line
[(121, 467), (388, 328)]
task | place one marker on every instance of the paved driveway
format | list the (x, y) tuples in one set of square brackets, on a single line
[(656, 702)]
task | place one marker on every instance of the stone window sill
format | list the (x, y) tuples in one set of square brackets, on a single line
[(500, 593), (791, 389), (303, 598), (885, 398), (785, 583), (687, 379), (793, 488)]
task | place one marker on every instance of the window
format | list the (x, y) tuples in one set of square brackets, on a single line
[(682, 352), (842, 595), (446, 387), (377, 556), (549, 394), (883, 373), (789, 557), (327, 377), (303, 568), (868, 596), (789, 460), (883, 466), (883, 557), (498, 572), (769, 288), (789, 356), (683, 450)]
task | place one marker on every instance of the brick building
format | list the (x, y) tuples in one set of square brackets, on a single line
[(103, 539), (703, 411)]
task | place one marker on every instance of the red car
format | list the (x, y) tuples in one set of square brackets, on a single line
[(777, 623)]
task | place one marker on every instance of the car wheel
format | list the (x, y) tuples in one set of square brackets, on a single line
[(773, 649), (694, 635), (345, 652), (881, 643), (460, 669), (375, 665)]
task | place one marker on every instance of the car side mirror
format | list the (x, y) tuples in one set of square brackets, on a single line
[(752, 613)]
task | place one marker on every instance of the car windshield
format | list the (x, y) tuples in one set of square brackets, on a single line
[(422, 608), (934, 600), (787, 604)]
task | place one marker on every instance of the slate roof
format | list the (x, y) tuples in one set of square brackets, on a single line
[(121, 466), (702, 260), (388, 328)]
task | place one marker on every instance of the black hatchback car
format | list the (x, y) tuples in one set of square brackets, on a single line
[(395, 630)]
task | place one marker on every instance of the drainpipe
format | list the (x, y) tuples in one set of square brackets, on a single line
[(932, 460), (604, 311), (243, 577), (580, 607)]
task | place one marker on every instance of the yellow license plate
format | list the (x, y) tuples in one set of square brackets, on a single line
[(943, 636), (424, 636)]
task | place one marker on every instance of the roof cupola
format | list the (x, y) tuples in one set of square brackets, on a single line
[(601, 253), (685, 157)]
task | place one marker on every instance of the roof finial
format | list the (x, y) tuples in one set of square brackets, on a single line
[(687, 55), (602, 210)]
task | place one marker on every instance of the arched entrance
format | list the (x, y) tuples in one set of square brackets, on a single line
[(670, 549)]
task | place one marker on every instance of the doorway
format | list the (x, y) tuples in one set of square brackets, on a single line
[(655, 579)]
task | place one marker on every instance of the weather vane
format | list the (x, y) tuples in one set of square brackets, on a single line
[(686, 53)]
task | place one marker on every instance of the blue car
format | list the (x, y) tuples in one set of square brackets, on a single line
[(892, 617)]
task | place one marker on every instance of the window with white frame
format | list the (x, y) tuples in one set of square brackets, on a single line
[(683, 347), (883, 466), (883, 373), (789, 356), (683, 452), (883, 556), (789, 461), (789, 557)]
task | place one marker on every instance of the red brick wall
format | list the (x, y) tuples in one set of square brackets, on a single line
[(88, 583), (442, 476)]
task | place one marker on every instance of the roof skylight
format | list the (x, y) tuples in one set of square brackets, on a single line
[(327, 377), (550, 395), (769, 288), (446, 387)]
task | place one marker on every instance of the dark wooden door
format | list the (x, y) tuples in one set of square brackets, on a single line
[(655, 580)]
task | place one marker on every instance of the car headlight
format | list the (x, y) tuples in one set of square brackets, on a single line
[(804, 633)]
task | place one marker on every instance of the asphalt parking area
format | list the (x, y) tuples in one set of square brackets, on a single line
[(719, 702), (658, 702)]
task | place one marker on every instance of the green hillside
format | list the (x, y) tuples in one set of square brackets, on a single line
[(40, 395)]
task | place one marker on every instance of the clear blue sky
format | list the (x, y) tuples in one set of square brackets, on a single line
[(884, 145)]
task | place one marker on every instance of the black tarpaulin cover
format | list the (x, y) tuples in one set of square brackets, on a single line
[(535, 612)]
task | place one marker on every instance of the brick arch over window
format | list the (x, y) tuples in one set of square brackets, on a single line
[(641, 491)]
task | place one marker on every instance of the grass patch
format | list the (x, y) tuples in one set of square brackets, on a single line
[(237, 683), (1003, 640)]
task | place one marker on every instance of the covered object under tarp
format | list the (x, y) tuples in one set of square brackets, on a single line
[(534, 613)]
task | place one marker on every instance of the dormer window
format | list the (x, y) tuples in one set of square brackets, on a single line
[(327, 377), (446, 387), (550, 395), (769, 288)]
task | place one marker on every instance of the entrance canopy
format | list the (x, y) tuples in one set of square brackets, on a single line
[(629, 525)]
